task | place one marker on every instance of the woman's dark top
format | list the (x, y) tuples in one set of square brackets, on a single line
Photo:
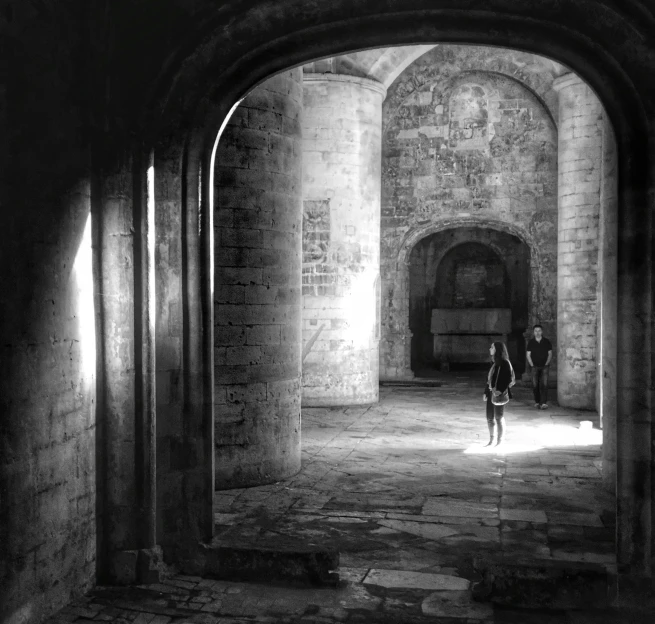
[(504, 378)]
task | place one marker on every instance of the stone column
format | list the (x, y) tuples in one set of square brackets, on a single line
[(608, 302), (122, 218), (184, 420), (579, 189), (257, 220), (341, 239)]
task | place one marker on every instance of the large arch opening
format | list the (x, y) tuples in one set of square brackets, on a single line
[(259, 72), (486, 261)]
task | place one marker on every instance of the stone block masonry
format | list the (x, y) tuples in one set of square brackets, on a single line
[(579, 195), (341, 239), (257, 286), (466, 143), (47, 413)]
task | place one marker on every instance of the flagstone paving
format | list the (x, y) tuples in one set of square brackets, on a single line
[(408, 485), (409, 496)]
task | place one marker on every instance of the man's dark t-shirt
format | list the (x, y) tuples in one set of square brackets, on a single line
[(539, 351)]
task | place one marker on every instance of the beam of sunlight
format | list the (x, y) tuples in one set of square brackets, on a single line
[(212, 208), (359, 306), (556, 435), (83, 277), (549, 436), (151, 245)]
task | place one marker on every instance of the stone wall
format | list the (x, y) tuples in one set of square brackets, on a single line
[(47, 326), (465, 144), (48, 494), (472, 276), (258, 286)]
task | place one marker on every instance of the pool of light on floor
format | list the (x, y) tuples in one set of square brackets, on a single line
[(549, 436)]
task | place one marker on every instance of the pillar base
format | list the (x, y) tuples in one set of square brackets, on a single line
[(339, 402), (406, 374), (273, 465), (130, 567)]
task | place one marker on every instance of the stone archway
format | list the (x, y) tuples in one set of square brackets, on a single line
[(466, 269), (396, 291), (558, 29)]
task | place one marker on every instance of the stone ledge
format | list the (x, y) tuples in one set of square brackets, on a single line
[(542, 584), (301, 563)]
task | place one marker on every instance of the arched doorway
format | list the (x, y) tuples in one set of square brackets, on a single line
[(463, 269)]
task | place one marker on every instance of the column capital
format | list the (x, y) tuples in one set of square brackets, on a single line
[(365, 83), (567, 80)]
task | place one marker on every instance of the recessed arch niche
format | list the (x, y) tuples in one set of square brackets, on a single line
[(466, 268)]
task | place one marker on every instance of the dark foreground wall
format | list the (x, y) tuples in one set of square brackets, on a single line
[(47, 346)]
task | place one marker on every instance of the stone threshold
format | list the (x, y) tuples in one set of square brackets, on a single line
[(292, 562)]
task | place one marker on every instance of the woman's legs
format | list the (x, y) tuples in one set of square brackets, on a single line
[(490, 420), (499, 414)]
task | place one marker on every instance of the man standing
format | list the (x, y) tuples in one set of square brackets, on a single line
[(539, 353)]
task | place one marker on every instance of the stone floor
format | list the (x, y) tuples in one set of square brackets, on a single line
[(408, 494)]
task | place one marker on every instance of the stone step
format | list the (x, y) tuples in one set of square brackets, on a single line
[(535, 584), (298, 563)]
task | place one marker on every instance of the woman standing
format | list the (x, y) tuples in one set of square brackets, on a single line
[(497, 392)]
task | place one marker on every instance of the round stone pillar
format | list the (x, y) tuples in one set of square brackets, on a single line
[(580, 161), (341, 239), (257, 298)]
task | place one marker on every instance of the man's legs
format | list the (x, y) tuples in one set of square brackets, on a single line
[(543, 385), (536, 374)]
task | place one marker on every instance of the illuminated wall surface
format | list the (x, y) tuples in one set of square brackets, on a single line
[(579, 207), (341, 239)]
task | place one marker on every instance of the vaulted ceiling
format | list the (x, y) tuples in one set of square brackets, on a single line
[(386, 64)]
